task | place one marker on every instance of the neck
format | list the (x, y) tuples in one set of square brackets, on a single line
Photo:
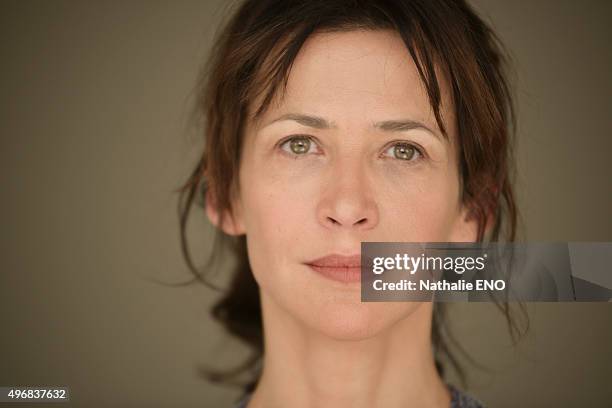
[(303, 368)]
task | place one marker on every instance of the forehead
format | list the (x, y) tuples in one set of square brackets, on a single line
[(356, 77)]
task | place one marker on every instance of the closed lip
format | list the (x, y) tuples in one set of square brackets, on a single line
[(337, 261), (340, 268)]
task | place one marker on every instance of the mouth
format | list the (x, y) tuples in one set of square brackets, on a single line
[(340, 268)]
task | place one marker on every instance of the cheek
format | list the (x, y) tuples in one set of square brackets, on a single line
[(420, 208), (275, 215)]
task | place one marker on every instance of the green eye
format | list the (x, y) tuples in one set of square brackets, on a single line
[(299, 144), (405, 151)]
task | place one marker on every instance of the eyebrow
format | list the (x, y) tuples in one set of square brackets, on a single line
[(318, 122), (402, 126)]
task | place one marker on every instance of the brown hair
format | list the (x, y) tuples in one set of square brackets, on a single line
[(247, 63)]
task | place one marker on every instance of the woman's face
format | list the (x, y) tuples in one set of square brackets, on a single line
[(368, 163)]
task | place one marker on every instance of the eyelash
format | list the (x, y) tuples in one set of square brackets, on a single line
[(419, 150)]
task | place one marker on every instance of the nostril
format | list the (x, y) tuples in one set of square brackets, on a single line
[(332, 220)]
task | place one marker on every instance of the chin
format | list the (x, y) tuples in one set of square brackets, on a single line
[(358, 321)]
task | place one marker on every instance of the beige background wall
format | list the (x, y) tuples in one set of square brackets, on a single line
[(95, 100)]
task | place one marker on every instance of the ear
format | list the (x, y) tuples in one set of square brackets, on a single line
[(232, 220), (465, 228)]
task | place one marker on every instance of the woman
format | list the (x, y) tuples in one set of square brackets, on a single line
[(329, 123)]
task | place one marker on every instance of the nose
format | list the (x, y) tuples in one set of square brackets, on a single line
[(347, 201)]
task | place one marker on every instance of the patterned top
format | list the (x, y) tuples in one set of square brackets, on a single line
[(459, 399)]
